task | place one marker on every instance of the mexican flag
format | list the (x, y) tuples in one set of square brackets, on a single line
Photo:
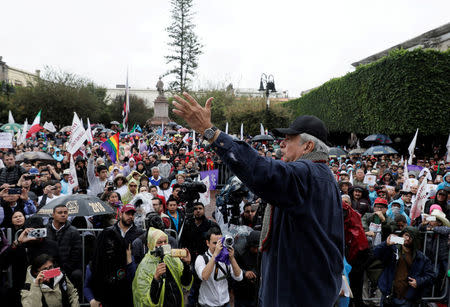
[(35, 126)]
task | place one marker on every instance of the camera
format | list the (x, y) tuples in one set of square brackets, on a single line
[(29, 177), (38, 233), (229, 199), (14, 191), (228, 241), (189, 190), (166, 249)]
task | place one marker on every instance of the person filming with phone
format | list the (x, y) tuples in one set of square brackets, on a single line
[(407, 270), (46, 285)]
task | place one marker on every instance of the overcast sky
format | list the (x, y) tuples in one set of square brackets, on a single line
[(302, 43)]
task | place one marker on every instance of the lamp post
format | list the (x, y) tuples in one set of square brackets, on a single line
[(269, 84)]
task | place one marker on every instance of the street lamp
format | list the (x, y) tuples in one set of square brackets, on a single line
[(269, 82)]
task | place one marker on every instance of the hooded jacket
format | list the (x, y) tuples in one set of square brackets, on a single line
[(421, 269), (390, 213), (444, 184), (32, 293), (128, 196), (146, 288)]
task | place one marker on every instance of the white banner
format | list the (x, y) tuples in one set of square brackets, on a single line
[(205, 198), (419, 204), (77, 135), (49, 126), (73, 179), (6, 140), (406, 183), (89, 132), (412, 146)]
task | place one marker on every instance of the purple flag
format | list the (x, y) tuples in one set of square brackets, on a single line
[(213, 177)]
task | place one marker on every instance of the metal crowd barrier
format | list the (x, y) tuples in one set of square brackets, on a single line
[(224, 175), (431, 298)]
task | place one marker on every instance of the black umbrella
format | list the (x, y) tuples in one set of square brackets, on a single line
[(262, 138), (171, 132), (379, 138), (336, 152), (34, 156), (380, 150), (78, 205)]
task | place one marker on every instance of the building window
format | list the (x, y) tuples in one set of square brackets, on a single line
[(17, 83)]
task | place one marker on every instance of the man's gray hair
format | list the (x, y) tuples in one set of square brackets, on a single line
[(319, 146), (155, 167)]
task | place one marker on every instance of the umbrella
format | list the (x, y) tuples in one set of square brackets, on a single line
[(65, 129), (357, 151), (134, 134), (183, 130), (336, 152), (412, 168), (114, 122), (78, 205), (171, 132), (11, 127), (34, 156), (171, 124), (379, 138), (262, 138), (380, 150)]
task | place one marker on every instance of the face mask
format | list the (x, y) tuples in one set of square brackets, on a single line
[(395, 210)]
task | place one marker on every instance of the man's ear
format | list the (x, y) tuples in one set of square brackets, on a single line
[(310, 146)]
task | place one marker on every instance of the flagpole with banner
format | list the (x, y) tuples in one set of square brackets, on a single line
[(412, 146), (35, 126), (10, 118)]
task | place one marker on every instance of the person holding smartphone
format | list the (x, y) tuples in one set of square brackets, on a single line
[(46, 284), (407, 270)]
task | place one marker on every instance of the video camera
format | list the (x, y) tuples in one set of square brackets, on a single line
[(166, 249), (229, 199), (189, 193)]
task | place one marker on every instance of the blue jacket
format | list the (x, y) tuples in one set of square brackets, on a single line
[(421, 270), (304, 263)]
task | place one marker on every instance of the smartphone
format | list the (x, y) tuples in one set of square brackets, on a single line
[(397, 240), (14, 191), (52, 273), (38, 233), (29, 177)]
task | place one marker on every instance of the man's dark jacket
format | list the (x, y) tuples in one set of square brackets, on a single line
[(421, 270), (11, 175), (303, 265), (69, 246), (194, 237), (131, 235)]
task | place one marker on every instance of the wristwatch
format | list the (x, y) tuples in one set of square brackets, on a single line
[(209, 133)]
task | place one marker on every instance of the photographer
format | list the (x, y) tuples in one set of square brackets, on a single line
[(214, 286), (407, 270), (160, 278)]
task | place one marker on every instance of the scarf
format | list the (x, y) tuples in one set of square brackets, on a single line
[(266, 231)]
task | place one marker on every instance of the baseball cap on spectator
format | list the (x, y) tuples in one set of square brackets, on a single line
[(381, 201), (66, 172), (34, 171), (127, 207)]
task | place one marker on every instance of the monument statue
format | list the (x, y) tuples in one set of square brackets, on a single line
[(160, 87)]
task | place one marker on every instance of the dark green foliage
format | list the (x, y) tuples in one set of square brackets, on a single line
[(395, 95), (184, 45), (139, 112)]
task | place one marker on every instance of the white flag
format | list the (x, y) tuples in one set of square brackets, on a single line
[(412, 146), (49, 126), (242, 131), (77, 135), (448, 148), (24, 133), (185, 139), (419, 203), (10, 118), (226, 128), (351, 177), (73, 179), (205, 198), (261, 128), (194, 144), (406, 184), (18, 137), (89, 137)]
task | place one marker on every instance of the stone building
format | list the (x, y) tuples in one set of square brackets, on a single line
[(15, 76), (438, 38)]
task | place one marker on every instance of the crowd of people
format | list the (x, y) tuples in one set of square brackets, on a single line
[(388, 255)]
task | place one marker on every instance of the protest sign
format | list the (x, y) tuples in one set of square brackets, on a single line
[(370, 179), (6, 140), (213, 177)]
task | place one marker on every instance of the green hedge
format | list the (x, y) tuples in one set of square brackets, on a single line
[(394, 95)]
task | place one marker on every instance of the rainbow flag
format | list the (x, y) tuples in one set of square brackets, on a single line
[(112, 147)]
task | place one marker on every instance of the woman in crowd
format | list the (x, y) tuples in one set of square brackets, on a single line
[(40, 291)]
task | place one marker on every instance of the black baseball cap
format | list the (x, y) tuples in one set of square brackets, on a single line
[(305, 124)]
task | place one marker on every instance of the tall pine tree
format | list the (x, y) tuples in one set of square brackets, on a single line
[(184, 45)]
